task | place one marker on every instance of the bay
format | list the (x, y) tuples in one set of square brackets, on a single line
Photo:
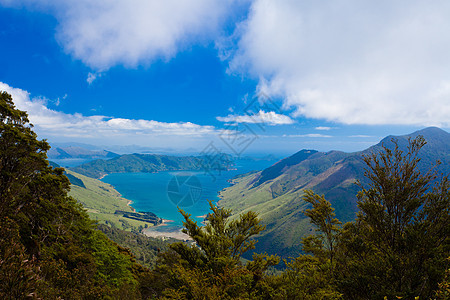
[(162, 192)]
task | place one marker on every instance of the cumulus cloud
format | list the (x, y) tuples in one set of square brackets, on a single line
[(52, 123), (353, 62), (350, 61), (106, 33), (270, 118)]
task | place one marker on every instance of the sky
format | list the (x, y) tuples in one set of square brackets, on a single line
[(242, 77)]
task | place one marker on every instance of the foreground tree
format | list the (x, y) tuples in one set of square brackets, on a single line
[(398, 245), (311, 276), (323, 244), (49, 247), (211, 266)]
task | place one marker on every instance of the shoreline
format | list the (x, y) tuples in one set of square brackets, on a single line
[(166, 234), (129, 205), (178, 235)]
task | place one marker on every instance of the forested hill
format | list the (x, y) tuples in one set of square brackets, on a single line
[(276, 192), (150, 163)]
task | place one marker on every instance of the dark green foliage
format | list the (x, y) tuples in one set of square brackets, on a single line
[(398, 246), (211, 266), (19, 275), (75, 181), (148, 217), (49, 247), (443, 291), (322, 245), (332, 174), (308, 277), (399, 242), (145, 163), (313, 276), (144, 249)]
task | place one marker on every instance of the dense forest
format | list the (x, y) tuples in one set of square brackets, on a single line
[(396, 248), (151, 163)]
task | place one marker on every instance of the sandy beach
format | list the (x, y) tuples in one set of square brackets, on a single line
[(179, 235)]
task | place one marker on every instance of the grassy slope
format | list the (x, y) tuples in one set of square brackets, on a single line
[(101, 201), (275, 193), (285, 223), (279, 203)]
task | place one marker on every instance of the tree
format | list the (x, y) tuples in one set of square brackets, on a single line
[(323, 217), (211, 267), (398, 244), (49, 246), (19, 275), (21, 154), (312, 276)]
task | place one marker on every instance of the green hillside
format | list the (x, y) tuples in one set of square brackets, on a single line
[(150, 163), (102, 201), (49, 247), (276, 192)]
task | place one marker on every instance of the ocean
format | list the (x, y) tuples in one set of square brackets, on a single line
[(162, 192)]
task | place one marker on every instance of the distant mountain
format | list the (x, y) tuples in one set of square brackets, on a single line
[(150, 163), (75, 144), (78, 152), (437, 147), (275, 193)]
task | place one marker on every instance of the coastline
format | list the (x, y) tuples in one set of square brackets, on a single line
[(178, 235), (165, 230), (129, 205)]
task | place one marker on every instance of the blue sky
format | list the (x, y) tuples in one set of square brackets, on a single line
[(244, 76)]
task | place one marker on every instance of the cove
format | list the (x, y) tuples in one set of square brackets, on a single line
[(161, 192)]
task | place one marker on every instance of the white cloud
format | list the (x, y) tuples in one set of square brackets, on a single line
[(270, 118), (353, 62), (52, 123), (308, 135), (106, 33), (323, 128), (92, 77)]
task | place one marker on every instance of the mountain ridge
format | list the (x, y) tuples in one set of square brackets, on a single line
[(79, 152), (275, 193), (151, 163)]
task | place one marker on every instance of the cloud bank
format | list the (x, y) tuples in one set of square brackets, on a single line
[(53, 123), (351, 62), (105, 33)]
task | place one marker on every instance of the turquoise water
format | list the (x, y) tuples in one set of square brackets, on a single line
[(157, 192)]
